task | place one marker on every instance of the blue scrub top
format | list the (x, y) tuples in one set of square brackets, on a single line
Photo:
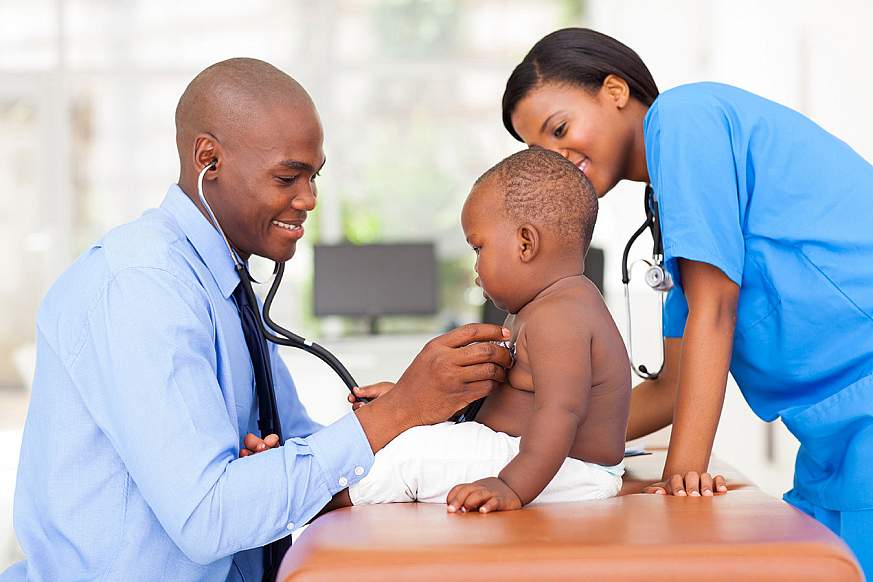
[(785, 210)]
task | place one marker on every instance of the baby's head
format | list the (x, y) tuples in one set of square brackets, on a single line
[(530, 220)]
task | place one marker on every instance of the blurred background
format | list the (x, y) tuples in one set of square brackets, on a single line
[(409, 93)]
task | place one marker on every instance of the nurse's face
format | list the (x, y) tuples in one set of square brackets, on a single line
[(264, 184), (592, 129)]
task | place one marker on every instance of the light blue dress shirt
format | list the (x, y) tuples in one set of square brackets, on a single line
[(130, 465)]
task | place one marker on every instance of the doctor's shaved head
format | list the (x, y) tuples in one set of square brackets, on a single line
[(256, 134), (224, 99)]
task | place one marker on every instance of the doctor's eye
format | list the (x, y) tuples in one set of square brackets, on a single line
[(315, 175), (560, 130), (287, 180), (476, 249)]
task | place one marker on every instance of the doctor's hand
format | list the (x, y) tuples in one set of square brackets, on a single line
[(252, 444), (693, 484), (450, 372), (453, 370), (370, 392)]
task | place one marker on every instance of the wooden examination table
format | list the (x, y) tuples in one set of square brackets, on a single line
[(742, 535)]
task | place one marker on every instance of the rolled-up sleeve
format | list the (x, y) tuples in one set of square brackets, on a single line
[(146, 367)]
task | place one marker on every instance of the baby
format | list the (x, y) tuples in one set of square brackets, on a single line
[(554, 431)]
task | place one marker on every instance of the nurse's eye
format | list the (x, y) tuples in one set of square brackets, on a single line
[(560, 130)]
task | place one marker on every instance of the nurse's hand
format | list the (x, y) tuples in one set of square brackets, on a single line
[(370, 392), (693, 484)]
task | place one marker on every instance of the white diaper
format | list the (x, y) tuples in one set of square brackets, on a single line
[(425, 462)]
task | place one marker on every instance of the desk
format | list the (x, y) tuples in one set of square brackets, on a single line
[(743, 535)]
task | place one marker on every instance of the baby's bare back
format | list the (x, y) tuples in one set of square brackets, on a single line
[(600, 436)]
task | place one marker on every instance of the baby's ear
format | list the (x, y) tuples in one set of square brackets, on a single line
[(528, 238)]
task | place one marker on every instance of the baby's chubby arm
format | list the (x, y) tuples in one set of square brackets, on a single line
[(560, 361)]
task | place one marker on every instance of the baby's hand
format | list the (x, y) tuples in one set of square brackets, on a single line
[(254, 445), (490, 494)]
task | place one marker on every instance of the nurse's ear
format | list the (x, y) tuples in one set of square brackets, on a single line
[(528, 242), (207, 150), (616, 91)]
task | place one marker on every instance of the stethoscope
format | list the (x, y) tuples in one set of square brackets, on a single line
[(271, 330), (656, 276)]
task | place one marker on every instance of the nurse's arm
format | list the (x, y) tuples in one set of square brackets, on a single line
[(705, 360), (651, 405)]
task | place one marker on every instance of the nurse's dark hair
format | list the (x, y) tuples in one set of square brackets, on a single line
[(576, 56)]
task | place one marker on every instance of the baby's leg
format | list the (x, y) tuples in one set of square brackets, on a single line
[(425, 462)]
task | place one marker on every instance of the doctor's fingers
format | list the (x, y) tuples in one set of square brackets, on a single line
[(473, 391), (484, 353), (372, 391), (720, 484), (473, 332), (253, 442), (479, 372), (256, 444)]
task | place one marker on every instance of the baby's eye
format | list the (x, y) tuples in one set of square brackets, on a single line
[(560, 130)]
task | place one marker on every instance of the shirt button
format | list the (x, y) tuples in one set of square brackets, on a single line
[(290, 526), (359, 471), (343, 482)]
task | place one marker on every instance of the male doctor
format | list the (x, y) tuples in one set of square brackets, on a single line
[(144, 391)]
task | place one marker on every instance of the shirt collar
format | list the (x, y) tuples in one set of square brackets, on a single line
[(205, 239)]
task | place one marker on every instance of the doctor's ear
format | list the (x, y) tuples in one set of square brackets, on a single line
[(528, 238), (616, 90), (207, 152)]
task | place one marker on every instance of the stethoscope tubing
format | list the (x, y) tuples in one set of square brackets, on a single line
[(272, 331), (652, 223)]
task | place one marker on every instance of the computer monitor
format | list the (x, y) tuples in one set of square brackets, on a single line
[(376, 279)]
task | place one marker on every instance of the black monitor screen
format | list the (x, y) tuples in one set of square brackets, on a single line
[(374, 280)]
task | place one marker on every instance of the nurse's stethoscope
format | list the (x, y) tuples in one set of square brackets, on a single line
[(271, 330), (656, 276)]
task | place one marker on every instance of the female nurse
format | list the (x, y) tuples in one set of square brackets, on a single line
[(767, 226)]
